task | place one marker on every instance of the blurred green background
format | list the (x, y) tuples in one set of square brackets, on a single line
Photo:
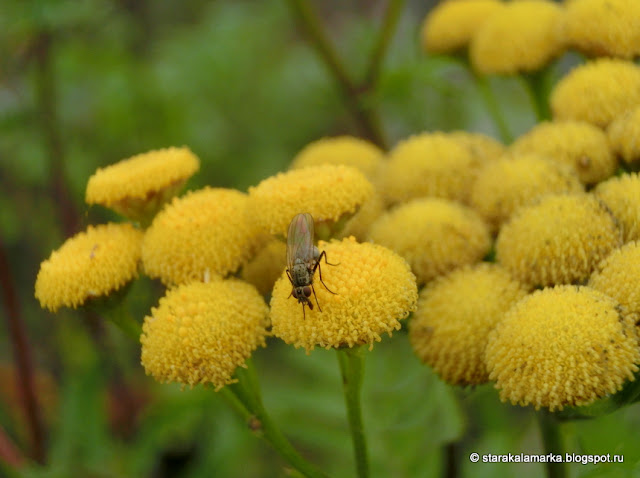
[(85, 84)]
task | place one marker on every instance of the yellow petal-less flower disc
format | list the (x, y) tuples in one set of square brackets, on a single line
[(503, 186), (143, 182), (621, 194), (578, 144), (451, 25), (373, 290), (328, 192), (428, 164), (451, 334), (201, 332), (566, 346), (266, 266), (204, 233), (521, 36), (434, 235), (604, 27), (624, 134), (348, 150), (91, 264), (618, 276), (483, 148), (560, 240), (597, 92)]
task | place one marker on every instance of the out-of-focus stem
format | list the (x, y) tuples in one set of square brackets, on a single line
[(46, 97), (23, 358), (492, 106), (9, 453), (389, 23), (353, 94), (552, 441), (352, 369)]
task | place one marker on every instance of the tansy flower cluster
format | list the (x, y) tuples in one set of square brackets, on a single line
[(553, 321)]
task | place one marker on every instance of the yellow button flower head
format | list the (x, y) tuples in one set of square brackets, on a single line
[(566, 346), (434, 235), (428, 164), (503, 186), (373, 289), (266, 266), (451, 25), (604, 27), (203, 233), (623, 133), (138, 186), (201, 332), (621, 194), (618, 276), (557, 241), (328, 192), (455, 315), (521, 36), (348, 150), (597, 92), (91, 264), (578, 144), (483, 148)]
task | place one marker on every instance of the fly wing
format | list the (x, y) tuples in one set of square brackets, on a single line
[(300, 239)]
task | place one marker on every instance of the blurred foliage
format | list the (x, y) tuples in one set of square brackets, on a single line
[(84, 84)]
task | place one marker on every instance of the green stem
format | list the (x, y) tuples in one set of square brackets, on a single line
[(492, 106), (552, 442), (352, 368), (391, 16), (247, 392), (352, 93), (537, 86)]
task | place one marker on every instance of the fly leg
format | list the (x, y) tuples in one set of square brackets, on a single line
[(317, 266)]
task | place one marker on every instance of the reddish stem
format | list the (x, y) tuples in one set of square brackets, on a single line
[(9, 453), (23, 358)]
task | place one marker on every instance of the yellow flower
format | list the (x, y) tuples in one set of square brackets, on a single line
[(434, 235), (618, 276), (604, 27), (483, 148), (329, 193), (203, 233), (566, 346), (358, 226), (521, 36), (201, 332), (455, 314), (578, 144), (451, 25), (138, 186), (428, 164), (557, 241), (623, 133), (266, 266), (373, 289), (503, 186), (597, 91), (91, 264), (621, 194), (347, 150)]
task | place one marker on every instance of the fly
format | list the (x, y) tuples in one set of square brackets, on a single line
[(303, 258)]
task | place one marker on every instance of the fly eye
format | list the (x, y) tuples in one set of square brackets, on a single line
[(294, 293), (306, 291)]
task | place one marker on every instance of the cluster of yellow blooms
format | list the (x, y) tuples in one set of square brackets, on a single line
[(551, 320), (209, 322), (554, 321)]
